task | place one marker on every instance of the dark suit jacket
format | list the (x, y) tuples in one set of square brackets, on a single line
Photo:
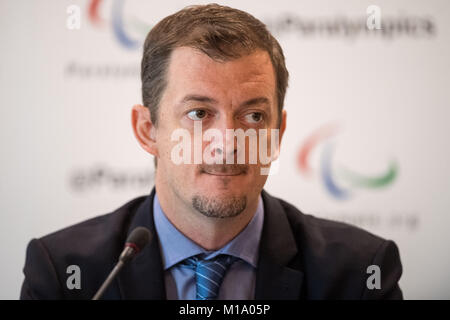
[(301, 257)]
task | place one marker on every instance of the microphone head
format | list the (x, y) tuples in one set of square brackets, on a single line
[(138, 238)]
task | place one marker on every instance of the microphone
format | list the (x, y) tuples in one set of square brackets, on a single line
[(135, 242)]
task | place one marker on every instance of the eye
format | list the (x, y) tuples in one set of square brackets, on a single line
[(197, 114), (254, 117)]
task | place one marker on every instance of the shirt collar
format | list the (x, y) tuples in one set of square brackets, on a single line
[(176, 247)]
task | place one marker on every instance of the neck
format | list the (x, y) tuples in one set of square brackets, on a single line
[(207, 232)]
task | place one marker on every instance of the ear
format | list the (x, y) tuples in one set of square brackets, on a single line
[(283, 124), (143, 128)]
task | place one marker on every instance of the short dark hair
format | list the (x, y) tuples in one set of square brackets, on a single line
[(221, 32)]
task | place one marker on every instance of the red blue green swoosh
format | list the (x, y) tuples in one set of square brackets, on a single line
[(118, 23), (334, 181)]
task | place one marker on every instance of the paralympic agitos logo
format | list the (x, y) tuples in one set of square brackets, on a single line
[(118, 23), (339, 182)]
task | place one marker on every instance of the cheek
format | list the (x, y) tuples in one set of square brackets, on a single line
[(166, 151), (257, 153), (164, 148)]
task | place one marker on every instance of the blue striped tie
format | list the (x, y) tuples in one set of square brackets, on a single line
[(209, 274)]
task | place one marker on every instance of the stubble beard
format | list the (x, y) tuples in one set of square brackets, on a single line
[(221, 208)]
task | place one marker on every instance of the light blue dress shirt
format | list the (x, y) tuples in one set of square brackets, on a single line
[(238, 282)]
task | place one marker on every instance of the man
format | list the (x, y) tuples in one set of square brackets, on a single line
[(217, 233)]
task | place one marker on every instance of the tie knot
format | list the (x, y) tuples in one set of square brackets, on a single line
[(222, 259), (209, 274)]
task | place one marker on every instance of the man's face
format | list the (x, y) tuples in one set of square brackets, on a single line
[(236, 94)]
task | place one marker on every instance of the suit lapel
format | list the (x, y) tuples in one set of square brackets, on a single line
[(275, 277), (143, 277)]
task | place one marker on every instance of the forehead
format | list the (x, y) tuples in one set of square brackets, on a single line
[(191, 70)]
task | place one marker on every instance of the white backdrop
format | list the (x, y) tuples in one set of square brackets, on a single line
[(68, 152)]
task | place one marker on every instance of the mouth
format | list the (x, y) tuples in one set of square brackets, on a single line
[(224, 171), (223, 174)]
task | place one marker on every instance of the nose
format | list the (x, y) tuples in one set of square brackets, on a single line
[(227, 147)]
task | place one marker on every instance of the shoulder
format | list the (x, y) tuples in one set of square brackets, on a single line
[(325, 233), (93, 234), (92, 245), (336, 257)]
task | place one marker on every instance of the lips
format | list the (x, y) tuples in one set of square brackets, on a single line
[(222, 174), (224, 170)]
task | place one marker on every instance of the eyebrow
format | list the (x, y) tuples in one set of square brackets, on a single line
[(198, 98), (255, 101), (206, 99)]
